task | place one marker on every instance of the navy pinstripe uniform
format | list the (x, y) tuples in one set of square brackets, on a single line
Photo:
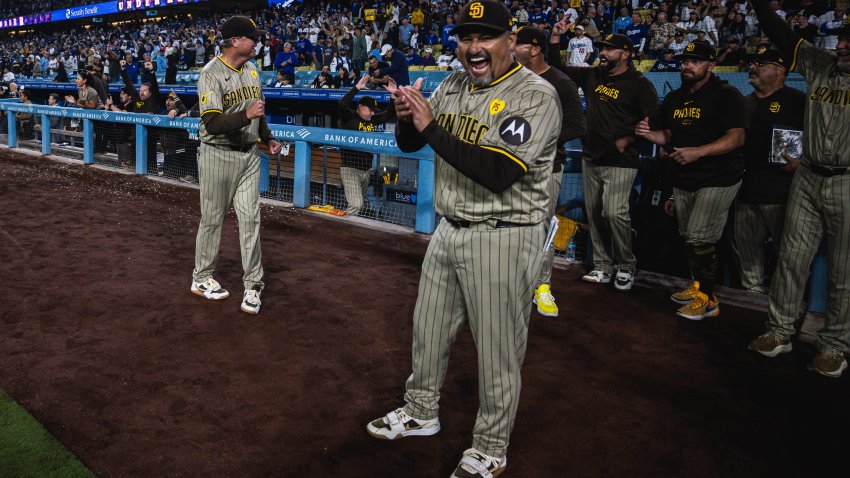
[(495, 148), (819, 201)]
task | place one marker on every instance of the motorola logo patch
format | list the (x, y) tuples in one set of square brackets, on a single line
[(515, 131)]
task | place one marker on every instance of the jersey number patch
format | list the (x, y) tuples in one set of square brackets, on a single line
[(515, 131)]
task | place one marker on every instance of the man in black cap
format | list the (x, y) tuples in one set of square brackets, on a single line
[(617, 97), (356, 164), (818, 204), (233, 119), (771, 151), (702, 126), (530, 50), (494, 128)]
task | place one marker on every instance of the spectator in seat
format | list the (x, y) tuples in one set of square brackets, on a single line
[(286, 61), (428, 58), (87, 96), (25, 121), (667, 63), (412, 58), (323, 79), (733, 55)]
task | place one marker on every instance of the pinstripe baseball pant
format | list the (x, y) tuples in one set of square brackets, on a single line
[(484, 276), (545, 276), (354, 183), (702, 215), (227, 176), (754, 223), (606, 196), (818, 207)]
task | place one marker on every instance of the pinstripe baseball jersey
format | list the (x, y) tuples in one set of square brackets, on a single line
[(518, 115), (828, 110), (224, 89)]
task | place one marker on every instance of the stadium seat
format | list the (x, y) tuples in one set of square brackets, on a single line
[(726, 69), (443, 68), (431, 68), (414, 68)]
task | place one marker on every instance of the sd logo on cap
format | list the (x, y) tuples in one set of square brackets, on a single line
[(484, 15)]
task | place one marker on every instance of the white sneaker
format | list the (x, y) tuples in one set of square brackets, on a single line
[(210, 289), (476, 464), (597, 277), (624, 280), (397, 424), (251, 300)]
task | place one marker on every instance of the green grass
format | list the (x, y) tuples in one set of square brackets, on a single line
[(28, 450)]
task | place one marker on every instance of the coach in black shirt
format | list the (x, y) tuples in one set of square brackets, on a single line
[(356, 164), (617, 98), (530, 50), (702, 124), (771, 151)]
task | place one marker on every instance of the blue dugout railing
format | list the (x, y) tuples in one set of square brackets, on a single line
[(301, 136)]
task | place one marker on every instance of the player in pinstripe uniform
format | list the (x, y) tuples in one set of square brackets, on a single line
[(233, 117), (530, 50), (819, 201), (494, 128), (703, 122)]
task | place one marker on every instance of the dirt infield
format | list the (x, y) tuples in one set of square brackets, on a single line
[(101, 340)]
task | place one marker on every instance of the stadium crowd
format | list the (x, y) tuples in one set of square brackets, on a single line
[(342, 36)]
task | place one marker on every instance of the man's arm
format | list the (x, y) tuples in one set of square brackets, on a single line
[(129, 83), (730, 141), (779, 32)]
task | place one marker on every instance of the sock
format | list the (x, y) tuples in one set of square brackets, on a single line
[(705, 267)]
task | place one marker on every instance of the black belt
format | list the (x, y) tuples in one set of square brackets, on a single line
[(826, 171), (499, 224), (242, 148)]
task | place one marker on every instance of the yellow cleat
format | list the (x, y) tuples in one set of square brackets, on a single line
[(700, 308), (545, 301), (687, 295)]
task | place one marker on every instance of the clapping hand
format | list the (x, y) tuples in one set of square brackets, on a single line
[(412, 106)]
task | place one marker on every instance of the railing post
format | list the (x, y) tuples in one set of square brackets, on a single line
[(13, 130), (88, 141), (301, 176), (425, 220), (141, 149), (45, 134)]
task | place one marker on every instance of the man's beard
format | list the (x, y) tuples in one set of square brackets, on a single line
[(689, 82), (482, 82), (611, 64)]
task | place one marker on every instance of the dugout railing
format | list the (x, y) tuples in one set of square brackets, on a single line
[(303, 174)]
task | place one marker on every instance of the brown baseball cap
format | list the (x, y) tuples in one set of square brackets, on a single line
[(240, 26), (479, 15)]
